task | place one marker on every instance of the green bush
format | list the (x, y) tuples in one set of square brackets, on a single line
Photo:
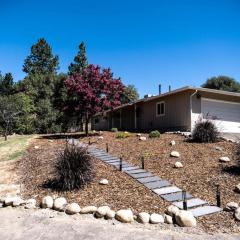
[(205, 132), (154, 134), (74, 168), (114, 130), (123, 135)]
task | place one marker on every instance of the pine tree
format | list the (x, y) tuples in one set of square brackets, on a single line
[(41, 60), (80, 61), (7, 85)]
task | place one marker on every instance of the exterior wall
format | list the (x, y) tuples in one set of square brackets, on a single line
[(99, 123), (177, 113)]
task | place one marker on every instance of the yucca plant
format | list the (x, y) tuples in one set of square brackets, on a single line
[(74, 168), (205, 131)]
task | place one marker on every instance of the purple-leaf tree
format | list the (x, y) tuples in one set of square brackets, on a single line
[(94, 91)]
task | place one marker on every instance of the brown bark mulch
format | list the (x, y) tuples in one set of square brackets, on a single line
[(199, 176)]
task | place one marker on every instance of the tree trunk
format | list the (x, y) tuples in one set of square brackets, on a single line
[(5, 136), (86, 126)]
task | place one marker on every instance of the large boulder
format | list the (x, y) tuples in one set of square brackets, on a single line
[(185, 219), (125, 216), (72, 208), (237, 188), (237, 214), (102, 211), (168, 219), (231, 206), (143, 217), (18, 202), (60, 204), (175, 154), (142, 138), (88, 209), (156, 218), (9, 200), (224, 159), (30, 203), (47, 202)]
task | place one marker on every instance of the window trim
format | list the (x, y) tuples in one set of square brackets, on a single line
[(159, 103)]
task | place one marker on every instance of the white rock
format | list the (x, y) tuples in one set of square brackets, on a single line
[(178, 165), (124, 215), (9, 201), (142, 138), (1, 205), (175, 154), (185, 219), (60, 204), (88, 209), (168, 219), (2, 199), (36, 147), (231, 206), (224, 159), (172, 210), (30, 203), (102, 211), (172, 143), (103, 181), (47, 202), (139, 134), (100, 137), (237, 214), (110, 214), (218, 148), (18, 202), (72, 208), (156, 218), (237, 188), (143, 217)]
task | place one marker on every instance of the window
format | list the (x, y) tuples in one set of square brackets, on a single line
[(160, 109)]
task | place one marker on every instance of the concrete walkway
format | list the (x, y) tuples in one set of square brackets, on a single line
[(21, 224)]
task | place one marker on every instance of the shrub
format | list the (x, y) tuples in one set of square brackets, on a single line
[(154, 134), (123, 135), (114, 130), (205, 132), (74, 168)]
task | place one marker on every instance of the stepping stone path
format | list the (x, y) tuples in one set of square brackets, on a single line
[(161, 187)]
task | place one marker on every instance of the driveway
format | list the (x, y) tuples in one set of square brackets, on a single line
[(233, 136), (49, 225)]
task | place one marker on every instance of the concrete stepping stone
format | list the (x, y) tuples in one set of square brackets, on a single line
[(148, 179), (136, 171), (130, 168), (109, 159), (175, 196), (139, 175), (194, 202), (167, 190), (157, 184), (205, 210)]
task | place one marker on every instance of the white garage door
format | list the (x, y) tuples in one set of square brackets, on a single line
[(226, 115)]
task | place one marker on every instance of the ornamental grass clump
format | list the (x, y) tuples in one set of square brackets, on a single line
[(74, 168), (123, 135), (154, 134), (205, 132)]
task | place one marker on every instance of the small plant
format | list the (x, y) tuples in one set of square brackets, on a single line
[(114, 130), (74, 168), (205, 132), (154, 134), (123, 135)]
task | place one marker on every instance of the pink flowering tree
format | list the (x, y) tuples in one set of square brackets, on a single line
[(94, 91)]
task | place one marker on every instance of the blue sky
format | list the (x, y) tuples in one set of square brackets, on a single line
[(172, 42)]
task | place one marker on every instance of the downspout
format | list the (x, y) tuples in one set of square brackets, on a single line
[(191, 96)]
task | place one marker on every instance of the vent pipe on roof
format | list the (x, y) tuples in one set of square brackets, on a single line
[(169, 88), (159, 89)]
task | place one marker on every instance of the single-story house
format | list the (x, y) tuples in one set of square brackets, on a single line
[(179, 109)]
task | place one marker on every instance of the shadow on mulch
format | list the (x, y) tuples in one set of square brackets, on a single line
[(67, 136), (233, 170)]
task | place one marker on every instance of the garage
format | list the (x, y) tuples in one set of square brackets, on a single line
[(226, 115)]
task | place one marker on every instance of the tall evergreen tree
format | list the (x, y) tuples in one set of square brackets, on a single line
[(7, 85), (80, 61), (41, 60)]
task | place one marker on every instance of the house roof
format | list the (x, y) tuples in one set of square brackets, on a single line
[(183, 89)]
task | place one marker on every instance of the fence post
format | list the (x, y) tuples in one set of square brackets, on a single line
[(89, 141), (107, 147)]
